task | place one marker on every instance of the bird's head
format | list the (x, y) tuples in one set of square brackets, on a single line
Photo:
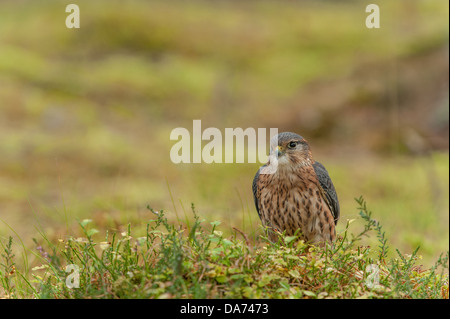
[(290, 149)]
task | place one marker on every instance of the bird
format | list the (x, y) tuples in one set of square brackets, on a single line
[(294, 194)]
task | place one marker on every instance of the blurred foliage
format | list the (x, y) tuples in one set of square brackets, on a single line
[(85, 114)]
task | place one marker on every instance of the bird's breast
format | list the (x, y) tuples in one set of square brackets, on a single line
[(292, 200)]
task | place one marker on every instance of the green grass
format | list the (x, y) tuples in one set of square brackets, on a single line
[(198, 261), (86, 115)]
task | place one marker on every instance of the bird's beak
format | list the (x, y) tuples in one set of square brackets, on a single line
[(279, 151)]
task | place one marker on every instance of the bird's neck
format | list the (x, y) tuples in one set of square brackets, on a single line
[(284, 166)]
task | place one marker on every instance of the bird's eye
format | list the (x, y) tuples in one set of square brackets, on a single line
[(292, 144)]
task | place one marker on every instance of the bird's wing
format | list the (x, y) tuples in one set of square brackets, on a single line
[(328, 190), (256, 193)]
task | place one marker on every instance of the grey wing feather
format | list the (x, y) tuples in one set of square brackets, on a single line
[(329, 190), (255, 190)]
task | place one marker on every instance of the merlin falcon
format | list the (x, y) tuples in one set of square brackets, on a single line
[(294, 194)]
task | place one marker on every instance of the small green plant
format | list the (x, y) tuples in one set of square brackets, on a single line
[(8, 267), (371, 224), (198, 261)]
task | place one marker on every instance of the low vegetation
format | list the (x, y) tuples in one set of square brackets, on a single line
[(198, 261)]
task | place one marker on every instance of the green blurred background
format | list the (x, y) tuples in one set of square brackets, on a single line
[(86, 114)]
